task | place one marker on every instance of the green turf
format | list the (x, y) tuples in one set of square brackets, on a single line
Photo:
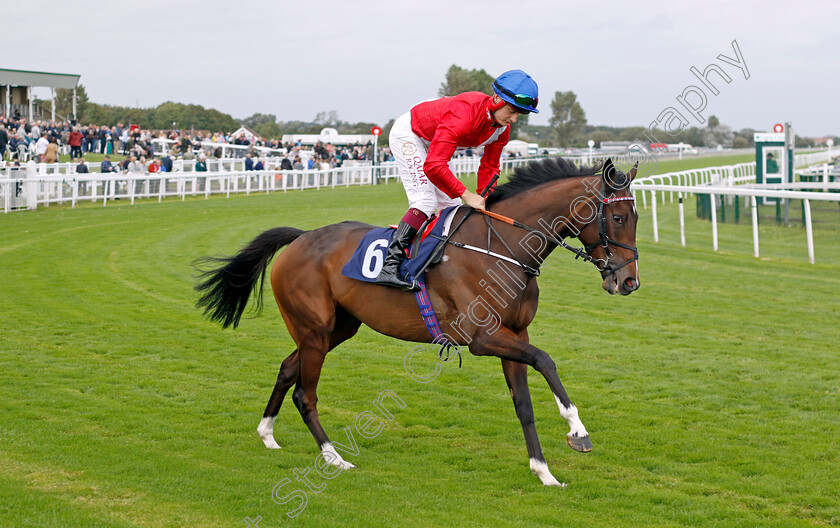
[(711, 394), (665, 166)]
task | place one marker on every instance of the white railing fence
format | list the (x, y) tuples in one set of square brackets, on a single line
[(228, 149), (31, 191), (32, 185), (734, 182)]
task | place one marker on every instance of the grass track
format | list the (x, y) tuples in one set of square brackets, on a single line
[(712, 394)]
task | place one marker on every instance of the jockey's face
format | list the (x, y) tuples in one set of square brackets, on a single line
[(506, 115)]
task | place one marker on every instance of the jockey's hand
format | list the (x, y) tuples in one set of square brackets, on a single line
[(473, 200)]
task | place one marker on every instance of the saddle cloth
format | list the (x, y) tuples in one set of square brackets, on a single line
[(369, 256)]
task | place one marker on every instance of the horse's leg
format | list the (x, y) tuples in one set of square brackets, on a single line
[(313, 350), (345, 327), (516, 376), (505, 344), (287, 377)]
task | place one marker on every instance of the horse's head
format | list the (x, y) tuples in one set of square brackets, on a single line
[(610, 237)]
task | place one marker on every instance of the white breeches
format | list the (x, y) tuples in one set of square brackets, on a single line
[(410, 152)]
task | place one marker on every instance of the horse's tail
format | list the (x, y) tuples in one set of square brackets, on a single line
[(227, 287)]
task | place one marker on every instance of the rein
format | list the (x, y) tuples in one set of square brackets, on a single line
[(579, 253), (605, 241)]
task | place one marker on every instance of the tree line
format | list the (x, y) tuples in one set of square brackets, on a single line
[(568, 126), (165, 116)]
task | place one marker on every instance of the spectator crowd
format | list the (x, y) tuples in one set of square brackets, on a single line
[(145, 152)]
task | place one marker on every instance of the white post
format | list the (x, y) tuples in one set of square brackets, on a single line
[(8, 100), (52, 103), (755, 225), (655, 220), (31, 186), (682, 221), (74, 104), (714, 222), (29, 97), (809, 232), (373, 177), (671, 183)]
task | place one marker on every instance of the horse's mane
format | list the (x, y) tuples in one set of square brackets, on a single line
[(536, 173)]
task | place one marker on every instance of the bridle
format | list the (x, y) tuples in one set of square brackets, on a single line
[(605, 241), (603, 265)]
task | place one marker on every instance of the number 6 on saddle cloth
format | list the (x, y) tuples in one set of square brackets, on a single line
[(369, 256)]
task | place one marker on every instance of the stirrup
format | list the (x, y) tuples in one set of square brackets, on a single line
[(393, 280)]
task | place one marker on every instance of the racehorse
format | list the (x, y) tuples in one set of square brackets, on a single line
[(485, 298)]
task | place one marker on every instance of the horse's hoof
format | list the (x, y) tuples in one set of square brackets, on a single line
[(580, 443)]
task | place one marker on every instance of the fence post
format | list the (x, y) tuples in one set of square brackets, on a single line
[(713, 202), (31, 186), (754, 205), (682, 220), (809, 232), (655, 220)]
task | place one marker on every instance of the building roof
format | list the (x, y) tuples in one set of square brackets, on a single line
[(33, 78)]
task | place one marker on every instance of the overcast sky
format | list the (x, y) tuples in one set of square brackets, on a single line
[(371, 60)]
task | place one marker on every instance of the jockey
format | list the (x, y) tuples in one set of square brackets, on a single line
[(423, 141)]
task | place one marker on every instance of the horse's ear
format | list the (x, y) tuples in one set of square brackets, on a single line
[(609, 172), (632, 173)]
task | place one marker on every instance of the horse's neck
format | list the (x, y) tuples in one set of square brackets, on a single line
[(548, 209)]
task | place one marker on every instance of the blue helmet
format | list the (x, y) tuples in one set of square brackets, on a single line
[(518, 89)]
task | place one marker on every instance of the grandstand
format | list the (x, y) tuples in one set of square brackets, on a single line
[(16, 90)]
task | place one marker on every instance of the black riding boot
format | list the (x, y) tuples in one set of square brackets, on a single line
[(390, 274)]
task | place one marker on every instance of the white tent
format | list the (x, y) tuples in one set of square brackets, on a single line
[(329, 135), (250, 134)]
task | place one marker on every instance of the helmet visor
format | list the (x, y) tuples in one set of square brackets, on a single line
[(525, 102)]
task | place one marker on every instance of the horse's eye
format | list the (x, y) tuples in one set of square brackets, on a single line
[(618, 219)]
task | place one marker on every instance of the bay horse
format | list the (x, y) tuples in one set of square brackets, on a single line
[(485, 298)]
